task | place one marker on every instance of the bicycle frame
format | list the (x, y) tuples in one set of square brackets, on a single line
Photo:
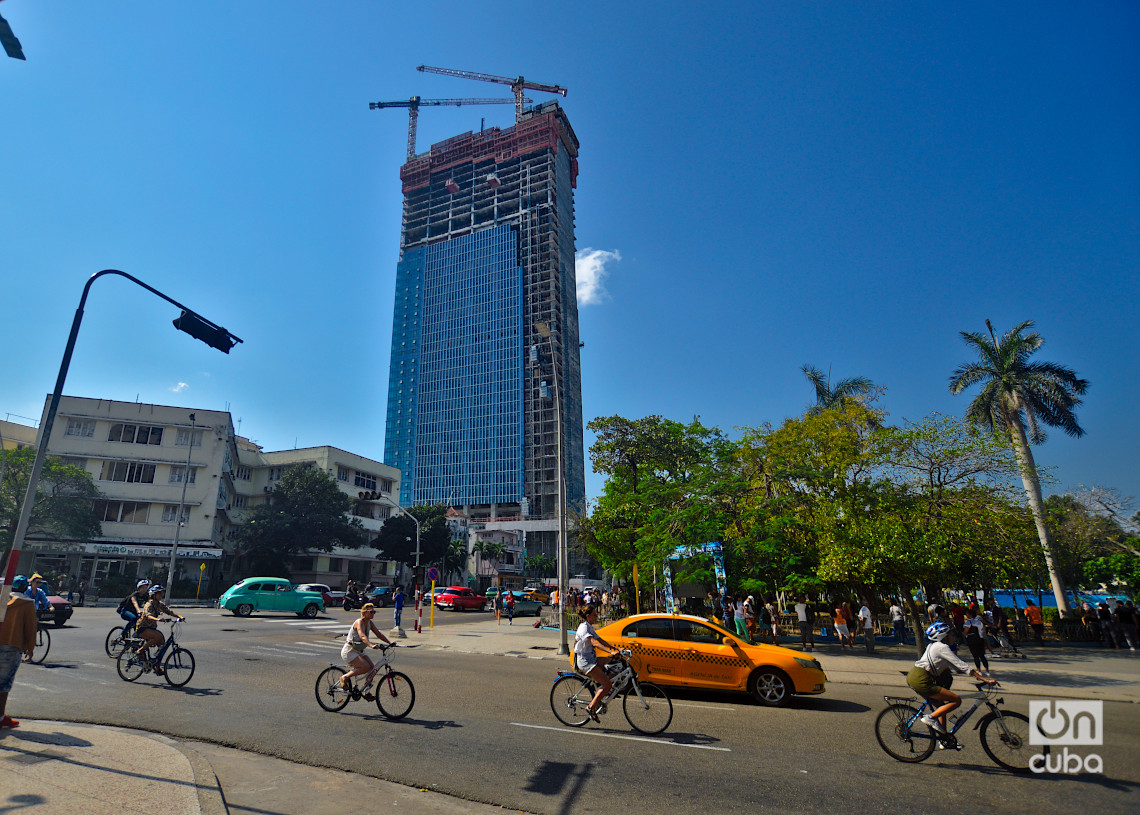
[(166, 646), (622, 680), (929, 706)]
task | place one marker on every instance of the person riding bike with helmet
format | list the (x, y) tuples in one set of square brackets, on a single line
[(131, 606), (149, 618), (931, 678)]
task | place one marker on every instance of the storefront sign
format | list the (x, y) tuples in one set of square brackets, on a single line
[(124, 550)]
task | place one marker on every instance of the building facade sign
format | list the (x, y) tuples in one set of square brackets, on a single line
[(123, 550)]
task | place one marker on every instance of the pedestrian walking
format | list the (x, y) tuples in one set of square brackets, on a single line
[(498, 604), (17, 640), (71, 590), (398, 605), (898, 621), (774, 617), (842, 631), (1132, 633), (763, 620), (714, 601), (750, 617), (1107, 626), (805, 616), (1036, 621), (868, 621), (726, 612), (738, 617), (82, 591), (975, 627), (509, 604)]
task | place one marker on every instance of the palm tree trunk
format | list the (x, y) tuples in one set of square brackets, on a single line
[(1037, 507)]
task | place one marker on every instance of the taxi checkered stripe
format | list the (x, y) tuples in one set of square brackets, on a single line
[(673, 653)]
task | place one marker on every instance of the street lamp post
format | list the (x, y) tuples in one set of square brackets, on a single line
[(190, 322), (563, 647), (178, 519)]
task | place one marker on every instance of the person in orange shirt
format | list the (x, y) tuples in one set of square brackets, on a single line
[(1036, 621), (839, 618)]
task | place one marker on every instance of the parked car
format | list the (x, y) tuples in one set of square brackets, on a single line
[(538, 593), (332, 598), (60, 611), (270, 594), (458, 598), (691, 652), (525, 606)]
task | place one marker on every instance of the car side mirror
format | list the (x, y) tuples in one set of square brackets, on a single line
[(727, 640)]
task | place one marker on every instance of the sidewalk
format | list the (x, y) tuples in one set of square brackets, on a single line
[(60, 767)]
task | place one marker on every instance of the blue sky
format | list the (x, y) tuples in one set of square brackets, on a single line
[(762, 185)]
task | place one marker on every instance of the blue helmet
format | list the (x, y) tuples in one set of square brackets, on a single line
[(153, 590), (20, 583), (936, 632)]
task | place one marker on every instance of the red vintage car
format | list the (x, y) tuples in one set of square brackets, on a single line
[(458, 598)]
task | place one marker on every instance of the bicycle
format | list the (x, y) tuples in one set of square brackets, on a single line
[(177, 663), (647, 708), (42, 646), (395, 694), (1004, 734), (117, 639)]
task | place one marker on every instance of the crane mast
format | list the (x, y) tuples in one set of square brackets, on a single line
[(518, 85)]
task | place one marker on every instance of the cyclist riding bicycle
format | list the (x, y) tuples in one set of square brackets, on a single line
[(149, 618), (37, 594), (355, 641), (586, 658), (131, 606), (931, 678)]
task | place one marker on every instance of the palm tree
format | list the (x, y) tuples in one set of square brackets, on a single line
[(1017, 396), (845, 390)]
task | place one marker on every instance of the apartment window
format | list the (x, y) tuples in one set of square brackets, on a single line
[(386, 485), (84, 428), (275, 473), (124, 512), (243, 473), (170, 512), (188, 438), (178, 473), (72, 461), (342, 474), (132, 471), (241, 501), (135, 434), (365, 480), (336, 564)]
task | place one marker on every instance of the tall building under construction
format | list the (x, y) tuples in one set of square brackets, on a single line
[(485, 350)]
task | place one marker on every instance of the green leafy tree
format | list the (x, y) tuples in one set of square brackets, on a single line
[(63, 503), (489, 551), (1018, 396), (307, 511), (542, 565), (397, 538)]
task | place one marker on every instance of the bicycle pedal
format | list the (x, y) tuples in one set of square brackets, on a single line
[(368, 697)]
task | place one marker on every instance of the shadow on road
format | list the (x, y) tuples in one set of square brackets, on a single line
[(557, 778)]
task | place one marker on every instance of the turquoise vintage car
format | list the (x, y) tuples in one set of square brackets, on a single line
[(270, 594)]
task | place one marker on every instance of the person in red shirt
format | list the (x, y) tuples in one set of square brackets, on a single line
[(1036, 621)]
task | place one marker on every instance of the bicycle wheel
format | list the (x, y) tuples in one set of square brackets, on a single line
[(899, 739), (43, 645), (115, 642), (330, 695), (130, 665), (1005, 739), (649, 714), (569, 698), (178, 666), (395, 695)]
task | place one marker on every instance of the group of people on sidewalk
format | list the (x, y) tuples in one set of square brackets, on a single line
[(1117, 627)]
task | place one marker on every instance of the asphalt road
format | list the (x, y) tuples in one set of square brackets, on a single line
[(482, 729)]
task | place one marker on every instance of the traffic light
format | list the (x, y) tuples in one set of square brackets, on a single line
[(369, 496), (201, 329)]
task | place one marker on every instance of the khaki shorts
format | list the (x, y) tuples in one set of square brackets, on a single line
[(925, 684)]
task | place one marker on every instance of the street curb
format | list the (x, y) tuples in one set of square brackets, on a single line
[(210, 796)]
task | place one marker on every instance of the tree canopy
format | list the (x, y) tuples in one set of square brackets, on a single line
[(63, 503), (397, 538)]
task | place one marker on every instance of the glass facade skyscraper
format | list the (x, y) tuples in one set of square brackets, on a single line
[(485, 326)]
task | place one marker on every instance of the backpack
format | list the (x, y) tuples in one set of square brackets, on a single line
[(125, 604)]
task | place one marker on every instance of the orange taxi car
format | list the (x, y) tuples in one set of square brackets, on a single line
[(691, 652)]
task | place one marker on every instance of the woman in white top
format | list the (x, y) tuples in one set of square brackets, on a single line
[(356, 641), (976, 640), (586, 658), (932, 671)]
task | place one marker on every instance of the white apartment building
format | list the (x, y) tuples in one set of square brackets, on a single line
[(147, 460)]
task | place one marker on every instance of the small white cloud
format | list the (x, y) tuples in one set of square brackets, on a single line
[(590, 270), (181, 386)]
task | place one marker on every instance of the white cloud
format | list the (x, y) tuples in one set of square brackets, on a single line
[(590, 269), (181, 386)]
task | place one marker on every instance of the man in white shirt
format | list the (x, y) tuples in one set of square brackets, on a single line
[(898, 622), (868, 627), (806, 617)]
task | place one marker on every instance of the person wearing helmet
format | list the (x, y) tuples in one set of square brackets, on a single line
[(131, 606), (149, 618), (930, 677)]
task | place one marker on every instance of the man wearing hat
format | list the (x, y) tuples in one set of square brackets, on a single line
[(36, 594), (17, 636)]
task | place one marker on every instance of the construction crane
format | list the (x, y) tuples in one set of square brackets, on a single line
[(413, 106), (517, 85)]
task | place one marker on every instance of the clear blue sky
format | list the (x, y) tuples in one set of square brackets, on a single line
[(844, 184)]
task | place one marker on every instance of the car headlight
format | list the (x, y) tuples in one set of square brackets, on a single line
[(809, 663)]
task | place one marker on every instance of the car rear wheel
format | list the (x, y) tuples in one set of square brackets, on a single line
[(771, 687), (243, 610)]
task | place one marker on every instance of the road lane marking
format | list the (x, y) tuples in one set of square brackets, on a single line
[(626, 738), (280, 650), (706, 707)]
